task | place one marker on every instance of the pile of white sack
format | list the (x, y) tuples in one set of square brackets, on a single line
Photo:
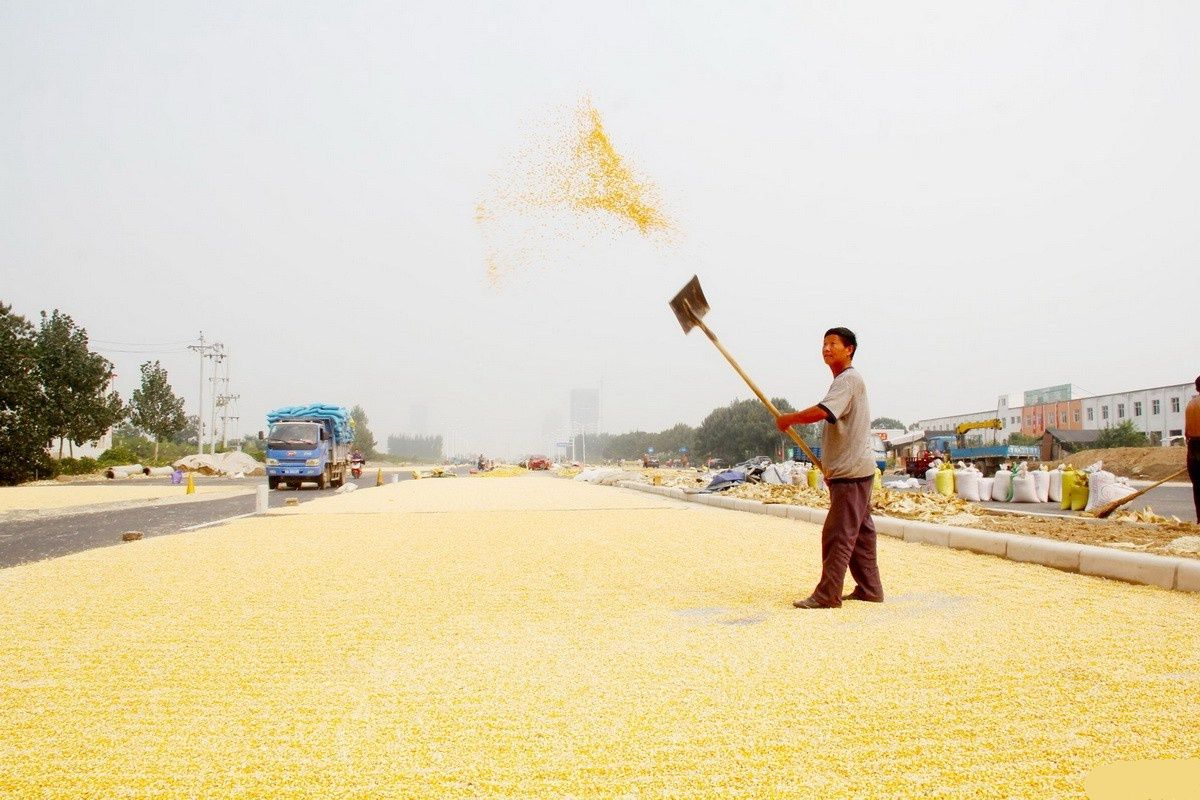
[(234, 463), (608, 476), (1020, 484)]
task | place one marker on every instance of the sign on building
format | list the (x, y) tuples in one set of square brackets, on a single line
[(1048, 394)]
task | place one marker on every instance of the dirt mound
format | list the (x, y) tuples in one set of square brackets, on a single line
[(1143, 463)]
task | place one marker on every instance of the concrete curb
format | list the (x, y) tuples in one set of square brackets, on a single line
[(1167, 572)]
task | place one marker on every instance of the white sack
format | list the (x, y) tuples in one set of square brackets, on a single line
[(967, 482), (1054, 492), (1041, 485), (1000, 485), (1024, 490), (1096, 483)]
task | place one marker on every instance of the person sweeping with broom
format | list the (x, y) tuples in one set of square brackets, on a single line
[(848, 537)]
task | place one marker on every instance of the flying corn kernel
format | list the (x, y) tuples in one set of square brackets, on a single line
[(560, 193)]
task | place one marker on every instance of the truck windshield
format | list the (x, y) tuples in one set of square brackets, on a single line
[(301, 435)]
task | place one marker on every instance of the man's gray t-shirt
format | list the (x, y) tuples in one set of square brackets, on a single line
[(846, 446)]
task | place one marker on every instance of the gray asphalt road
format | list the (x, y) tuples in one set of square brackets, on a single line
[(33, 540)]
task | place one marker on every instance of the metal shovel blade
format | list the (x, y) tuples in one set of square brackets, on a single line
[(689, 305)]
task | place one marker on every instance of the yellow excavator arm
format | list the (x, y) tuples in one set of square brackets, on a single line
[(994, 424), (961, 430)]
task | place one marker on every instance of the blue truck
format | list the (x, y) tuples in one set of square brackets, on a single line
[(308, 444), (987, 458)]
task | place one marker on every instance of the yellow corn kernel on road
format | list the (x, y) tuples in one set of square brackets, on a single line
[(536, 637)]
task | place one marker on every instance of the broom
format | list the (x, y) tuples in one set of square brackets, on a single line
[(1108, 508)]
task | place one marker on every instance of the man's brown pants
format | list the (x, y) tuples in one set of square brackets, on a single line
[(848, 540)]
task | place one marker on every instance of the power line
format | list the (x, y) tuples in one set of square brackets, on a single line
[(142, 352), (181, 343), (214, 351)]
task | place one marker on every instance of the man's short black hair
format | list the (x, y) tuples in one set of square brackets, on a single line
[(850, 340), (1198, 383)]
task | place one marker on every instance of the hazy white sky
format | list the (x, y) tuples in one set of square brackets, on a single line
[(995, 196)]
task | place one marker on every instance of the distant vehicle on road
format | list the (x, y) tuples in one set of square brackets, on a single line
[(538, 462)]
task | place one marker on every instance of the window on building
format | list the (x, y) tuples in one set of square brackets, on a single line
[(1174, 405), (1120, 411), (1155, 407), (1137, 408), (1091, 415), (1062, 418), (1076, 415), (1103, 412)]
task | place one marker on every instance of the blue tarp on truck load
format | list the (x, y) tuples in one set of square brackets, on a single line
[(340, 417)]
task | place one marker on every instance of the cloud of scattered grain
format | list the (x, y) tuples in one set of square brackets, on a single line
[(566, 187)]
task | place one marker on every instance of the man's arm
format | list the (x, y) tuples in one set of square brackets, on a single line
[(807, 416)]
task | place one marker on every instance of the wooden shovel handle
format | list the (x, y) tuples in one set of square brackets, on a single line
[(754, 388)]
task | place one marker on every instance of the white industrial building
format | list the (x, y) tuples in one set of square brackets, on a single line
[(1157, 411)]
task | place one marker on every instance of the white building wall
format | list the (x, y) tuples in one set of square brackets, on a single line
[(1160, 412), (1008, 410)]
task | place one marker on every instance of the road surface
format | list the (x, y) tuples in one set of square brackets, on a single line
[(26, 540)]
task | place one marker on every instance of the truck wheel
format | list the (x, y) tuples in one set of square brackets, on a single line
[(273, 482), (323, 478)]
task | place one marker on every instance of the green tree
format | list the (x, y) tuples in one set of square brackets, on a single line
[(670, 441), (888, 422), (75, 382), (744, 429), (155, 408), (364, 440), (1024, 439), (632, 444), (188, 433), (23, 429), (1123, 435)]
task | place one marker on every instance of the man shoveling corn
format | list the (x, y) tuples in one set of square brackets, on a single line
[(848, 537)]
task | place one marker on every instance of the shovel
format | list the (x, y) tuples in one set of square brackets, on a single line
[(690, 307)]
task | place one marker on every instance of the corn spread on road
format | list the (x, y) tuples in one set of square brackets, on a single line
[(535, 637)]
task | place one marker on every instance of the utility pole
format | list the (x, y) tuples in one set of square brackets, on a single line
[(223, 401), (217, 355), (203, 349), (214, 351)]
